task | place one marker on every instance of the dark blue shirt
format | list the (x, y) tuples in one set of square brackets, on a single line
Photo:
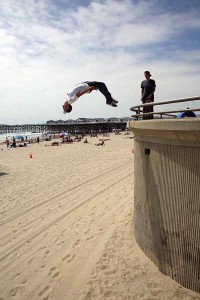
[(148, 87)]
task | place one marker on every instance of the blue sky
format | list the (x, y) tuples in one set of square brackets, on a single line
[(47, 46)]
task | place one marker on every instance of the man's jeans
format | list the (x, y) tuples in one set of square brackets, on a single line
[(102, 88)]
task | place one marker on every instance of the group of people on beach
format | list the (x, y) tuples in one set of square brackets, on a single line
[(148, 87), (23, 142), (79, 138)]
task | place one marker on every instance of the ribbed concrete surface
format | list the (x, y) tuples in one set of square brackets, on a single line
[(167, 197)]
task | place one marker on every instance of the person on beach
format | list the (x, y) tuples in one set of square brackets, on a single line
[(101, 143), (85, 141), (7, 142), (87, 87), (13, 142), (148, 87)]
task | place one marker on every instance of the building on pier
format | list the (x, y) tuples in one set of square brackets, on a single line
[(81, 125)]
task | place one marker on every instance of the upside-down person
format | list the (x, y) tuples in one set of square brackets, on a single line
[(87, 87)]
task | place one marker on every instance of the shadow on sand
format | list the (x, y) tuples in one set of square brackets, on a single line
[(3, 173)]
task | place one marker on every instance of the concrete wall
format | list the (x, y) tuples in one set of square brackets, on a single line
[(167, 196)]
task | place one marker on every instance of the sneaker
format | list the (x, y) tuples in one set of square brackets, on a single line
[(111, 104), (114, 101)]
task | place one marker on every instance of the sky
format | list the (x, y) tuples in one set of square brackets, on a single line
[(48, 46)]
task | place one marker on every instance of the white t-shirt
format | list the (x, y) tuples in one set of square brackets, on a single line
[(71, 95)]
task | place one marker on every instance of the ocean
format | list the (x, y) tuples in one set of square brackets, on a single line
[(29, 135)]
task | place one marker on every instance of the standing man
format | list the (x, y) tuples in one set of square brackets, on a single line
[(148, 87), (7, 142)]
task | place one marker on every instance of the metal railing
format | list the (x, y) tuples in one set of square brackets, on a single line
[(140, 114)]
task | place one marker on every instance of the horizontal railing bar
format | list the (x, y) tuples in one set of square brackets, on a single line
[(166, 102), (164, 112), (170, 115), (136, 110)]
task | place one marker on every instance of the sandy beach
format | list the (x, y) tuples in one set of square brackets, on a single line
[(67, 225)]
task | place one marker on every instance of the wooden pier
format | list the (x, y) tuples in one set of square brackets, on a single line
[(78, 126)]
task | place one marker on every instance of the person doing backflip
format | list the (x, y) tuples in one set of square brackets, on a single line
[(87, 87)]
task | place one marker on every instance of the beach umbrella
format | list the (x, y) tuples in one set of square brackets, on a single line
[(19, 136)]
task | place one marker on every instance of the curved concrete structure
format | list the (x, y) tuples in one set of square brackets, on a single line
[(167, 196)]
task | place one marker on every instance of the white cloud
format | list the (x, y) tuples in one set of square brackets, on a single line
[(44, 51)]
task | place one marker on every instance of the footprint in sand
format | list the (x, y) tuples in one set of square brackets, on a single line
[(28, 242), (152, 285), (92, 214), (45, 234), (46, 253), (103, 267), (154, 288), (90, 238), (13, 255), (17, 275), (43, 266), (24, 281), (66, 257), (41, 248), (60, 243), (69, 257), (31, 261), (54, 273), (44, 291), (13, 292), (76, 243)]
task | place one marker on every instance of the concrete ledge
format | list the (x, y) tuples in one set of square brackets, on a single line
[(179, 129), (167, 196)]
